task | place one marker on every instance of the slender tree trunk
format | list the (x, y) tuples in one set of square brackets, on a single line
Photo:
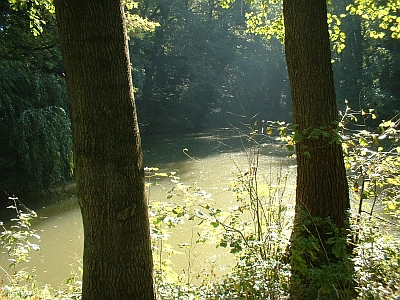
[(117, 259), (322, 190)]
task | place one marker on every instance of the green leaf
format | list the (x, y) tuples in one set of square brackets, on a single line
[(363, 142), (215, 224), (290, 147), (223, 244), (297, 137)]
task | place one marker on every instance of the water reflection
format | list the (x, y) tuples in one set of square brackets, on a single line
[(212, 159)]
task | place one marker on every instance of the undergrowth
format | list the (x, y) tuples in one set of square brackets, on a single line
[(255, 229)]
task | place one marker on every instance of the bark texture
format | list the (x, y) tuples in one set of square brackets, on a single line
[(321, 180), (117, 259), (322, 190)]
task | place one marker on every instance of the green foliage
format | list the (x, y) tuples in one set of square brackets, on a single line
[(17, 281), (367, 71), (16, 241), (266, 19), (35, 133), (182, 206), (376, 259), (384, 14), (379, 90), (254, 230), (136, 26), (372, 158), (290, 135), (321, 266), (337, 36), (37, 11), (35, 127), (42, 138), (364, 37), (198, 62), (184, 59)]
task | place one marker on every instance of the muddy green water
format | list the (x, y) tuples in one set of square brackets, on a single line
[(210, 159)]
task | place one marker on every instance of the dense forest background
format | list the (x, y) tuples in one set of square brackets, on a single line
[(195, 67)]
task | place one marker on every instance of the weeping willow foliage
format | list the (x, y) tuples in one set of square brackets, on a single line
[(35, 130)]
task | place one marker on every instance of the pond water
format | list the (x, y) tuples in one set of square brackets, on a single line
[(211, 159)]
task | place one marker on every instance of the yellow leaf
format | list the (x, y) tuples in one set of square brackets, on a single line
[(355, 187), (161, 174), (363, 142)]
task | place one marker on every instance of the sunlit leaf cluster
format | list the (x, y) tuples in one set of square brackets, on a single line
[(372, 158), (337, 36), (39, 11), (266, 19), (383, 14), (377, 259), (137, 26)]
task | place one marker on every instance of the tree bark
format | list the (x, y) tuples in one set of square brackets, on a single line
[(322, 190), (117, 259), (321, 179)]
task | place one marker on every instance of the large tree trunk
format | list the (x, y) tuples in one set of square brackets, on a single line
[(322, 189), (117, 259)]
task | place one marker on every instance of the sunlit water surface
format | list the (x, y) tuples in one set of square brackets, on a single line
[(211, 159)]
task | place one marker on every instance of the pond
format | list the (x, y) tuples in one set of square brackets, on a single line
[(212, 160)]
